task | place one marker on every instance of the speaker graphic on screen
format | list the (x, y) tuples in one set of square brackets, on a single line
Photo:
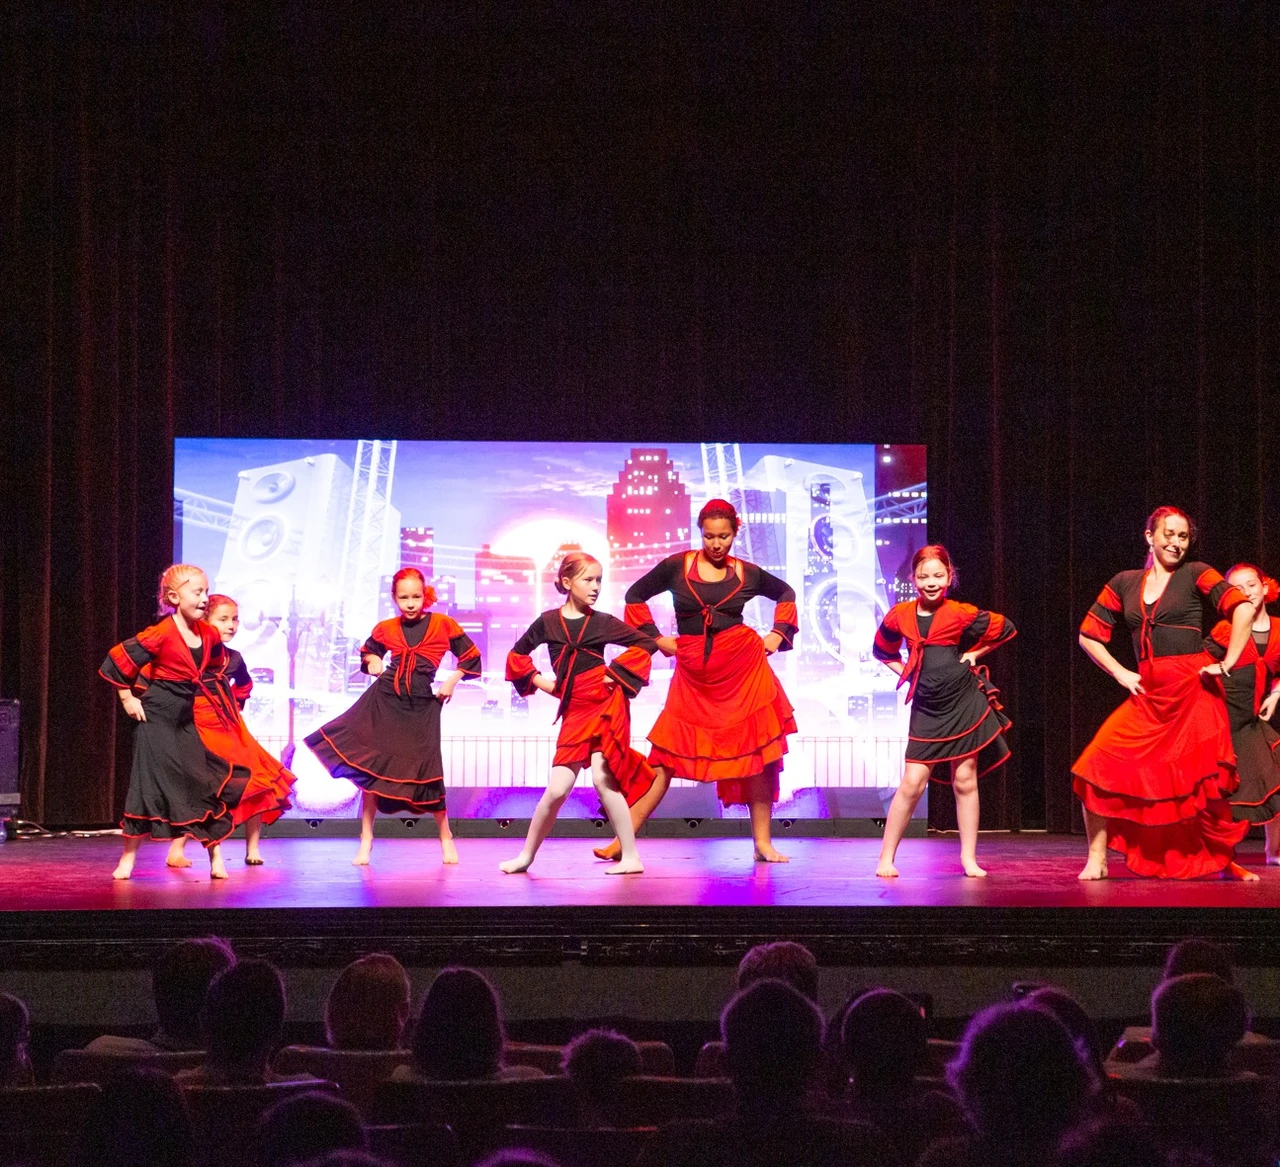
[(8, 756)]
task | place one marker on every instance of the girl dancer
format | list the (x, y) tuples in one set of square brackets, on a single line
[(726, 719), (595, 713), (223, 730), (388, 742), (177, 785), (955, 715), (1250, 706), (1155, 780)]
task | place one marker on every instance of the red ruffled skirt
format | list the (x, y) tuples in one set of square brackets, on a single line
[(598, 717), (1160, 771), (270, 784), (726, 718)]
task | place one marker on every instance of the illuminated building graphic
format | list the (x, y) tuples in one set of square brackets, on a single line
[(646, 514), (506, 591), (418, 549)]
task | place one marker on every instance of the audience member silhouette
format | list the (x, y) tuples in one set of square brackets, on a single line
[(1198, 956), (780, 960), (773, 1042), (180, 982), (243, 1021), (15, 1034), (139, 1119), (1075, 1020), (598, 1063), (368, 1006), (1022, 1083), (308, 1126), (1112, 1142), (1196, 1021), (459, 1034)]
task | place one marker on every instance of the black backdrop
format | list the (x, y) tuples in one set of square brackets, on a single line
[(1040, 237)]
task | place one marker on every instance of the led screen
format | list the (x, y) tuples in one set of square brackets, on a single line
[(305, 536)]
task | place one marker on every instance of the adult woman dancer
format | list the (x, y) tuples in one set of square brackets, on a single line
[(595, 707), (955, 717), (1156, 778), (1250, 706), (726, 719)]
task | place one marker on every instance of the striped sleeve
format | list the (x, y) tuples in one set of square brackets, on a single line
[(631, 668), (1101, 619), (520, 666), (127, 659), (1225, 597), (888, 641), (986, 630), (463, 648)]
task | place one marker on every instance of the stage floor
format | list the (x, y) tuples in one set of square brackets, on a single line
[(700, 900)]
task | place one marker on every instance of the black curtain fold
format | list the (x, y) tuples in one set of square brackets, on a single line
[(1042, 239)]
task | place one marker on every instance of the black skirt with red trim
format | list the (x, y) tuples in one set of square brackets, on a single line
[(388, 744), (955, 713), (177, 786), (1257, 798)]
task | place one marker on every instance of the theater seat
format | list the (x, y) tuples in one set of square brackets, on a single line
[(78, 1065), (357, 1072), (1258, 1054), (570, 1147), (225, 1117), (415, 1144), (656, 1057), (650, 1100), (41, 1125)]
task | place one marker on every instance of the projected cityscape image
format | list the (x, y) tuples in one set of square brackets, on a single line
[(305, 536)]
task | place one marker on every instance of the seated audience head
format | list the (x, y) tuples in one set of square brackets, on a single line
[(459, 1034), (883, 1042), (307, 1126), (1196, 1021), (15, 1034), (244, 1015), (773, 1042), (180, 982), (597, 1062), (140, 1116), (1078, 1023), (780, 960), (1198, 956), (368, 1006), (1020, 1079)]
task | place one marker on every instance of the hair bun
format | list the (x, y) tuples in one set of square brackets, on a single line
[(1271, 589)]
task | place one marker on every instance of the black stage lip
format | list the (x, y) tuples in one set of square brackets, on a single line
[(309, 908)]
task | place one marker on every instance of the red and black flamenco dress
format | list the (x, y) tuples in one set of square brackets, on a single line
[(595, 695), (388, 742), (726, 718), (1162, 768), (223, 730), (955, 710), (178, 786), (1257, 798)]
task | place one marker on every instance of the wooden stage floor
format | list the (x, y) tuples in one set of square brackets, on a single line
[(700, 901)]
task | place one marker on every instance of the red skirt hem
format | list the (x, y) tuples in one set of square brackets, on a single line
[(599, 719)]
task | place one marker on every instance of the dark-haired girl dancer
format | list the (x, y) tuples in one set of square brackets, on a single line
[(1252, 690), (595, 713), (388, 742), (177, 786), (955, 715), (1156, 779), (726, 718)]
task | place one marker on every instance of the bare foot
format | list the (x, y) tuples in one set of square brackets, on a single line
[(626, 867), (448, 852), (771, 855), (1243, 874), (886, 870), (362, 855), (610, 852), (124, 869), (515, 866), (253, 857), (175, 857), (217, 868), (1094, 869), (973, 871), (1273, 860)]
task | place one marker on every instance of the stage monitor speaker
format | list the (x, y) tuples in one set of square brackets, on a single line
[(8, 755)]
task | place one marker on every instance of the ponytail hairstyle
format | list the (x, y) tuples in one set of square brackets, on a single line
[(719, 508), (573, 565), (171, 579), (939, 552), (1153, 524), (1270, 589), (218, 600), (428, 592)]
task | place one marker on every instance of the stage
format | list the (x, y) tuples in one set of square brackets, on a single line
[(663, 941)]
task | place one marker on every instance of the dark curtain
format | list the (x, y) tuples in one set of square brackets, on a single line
[(1040, 238)]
